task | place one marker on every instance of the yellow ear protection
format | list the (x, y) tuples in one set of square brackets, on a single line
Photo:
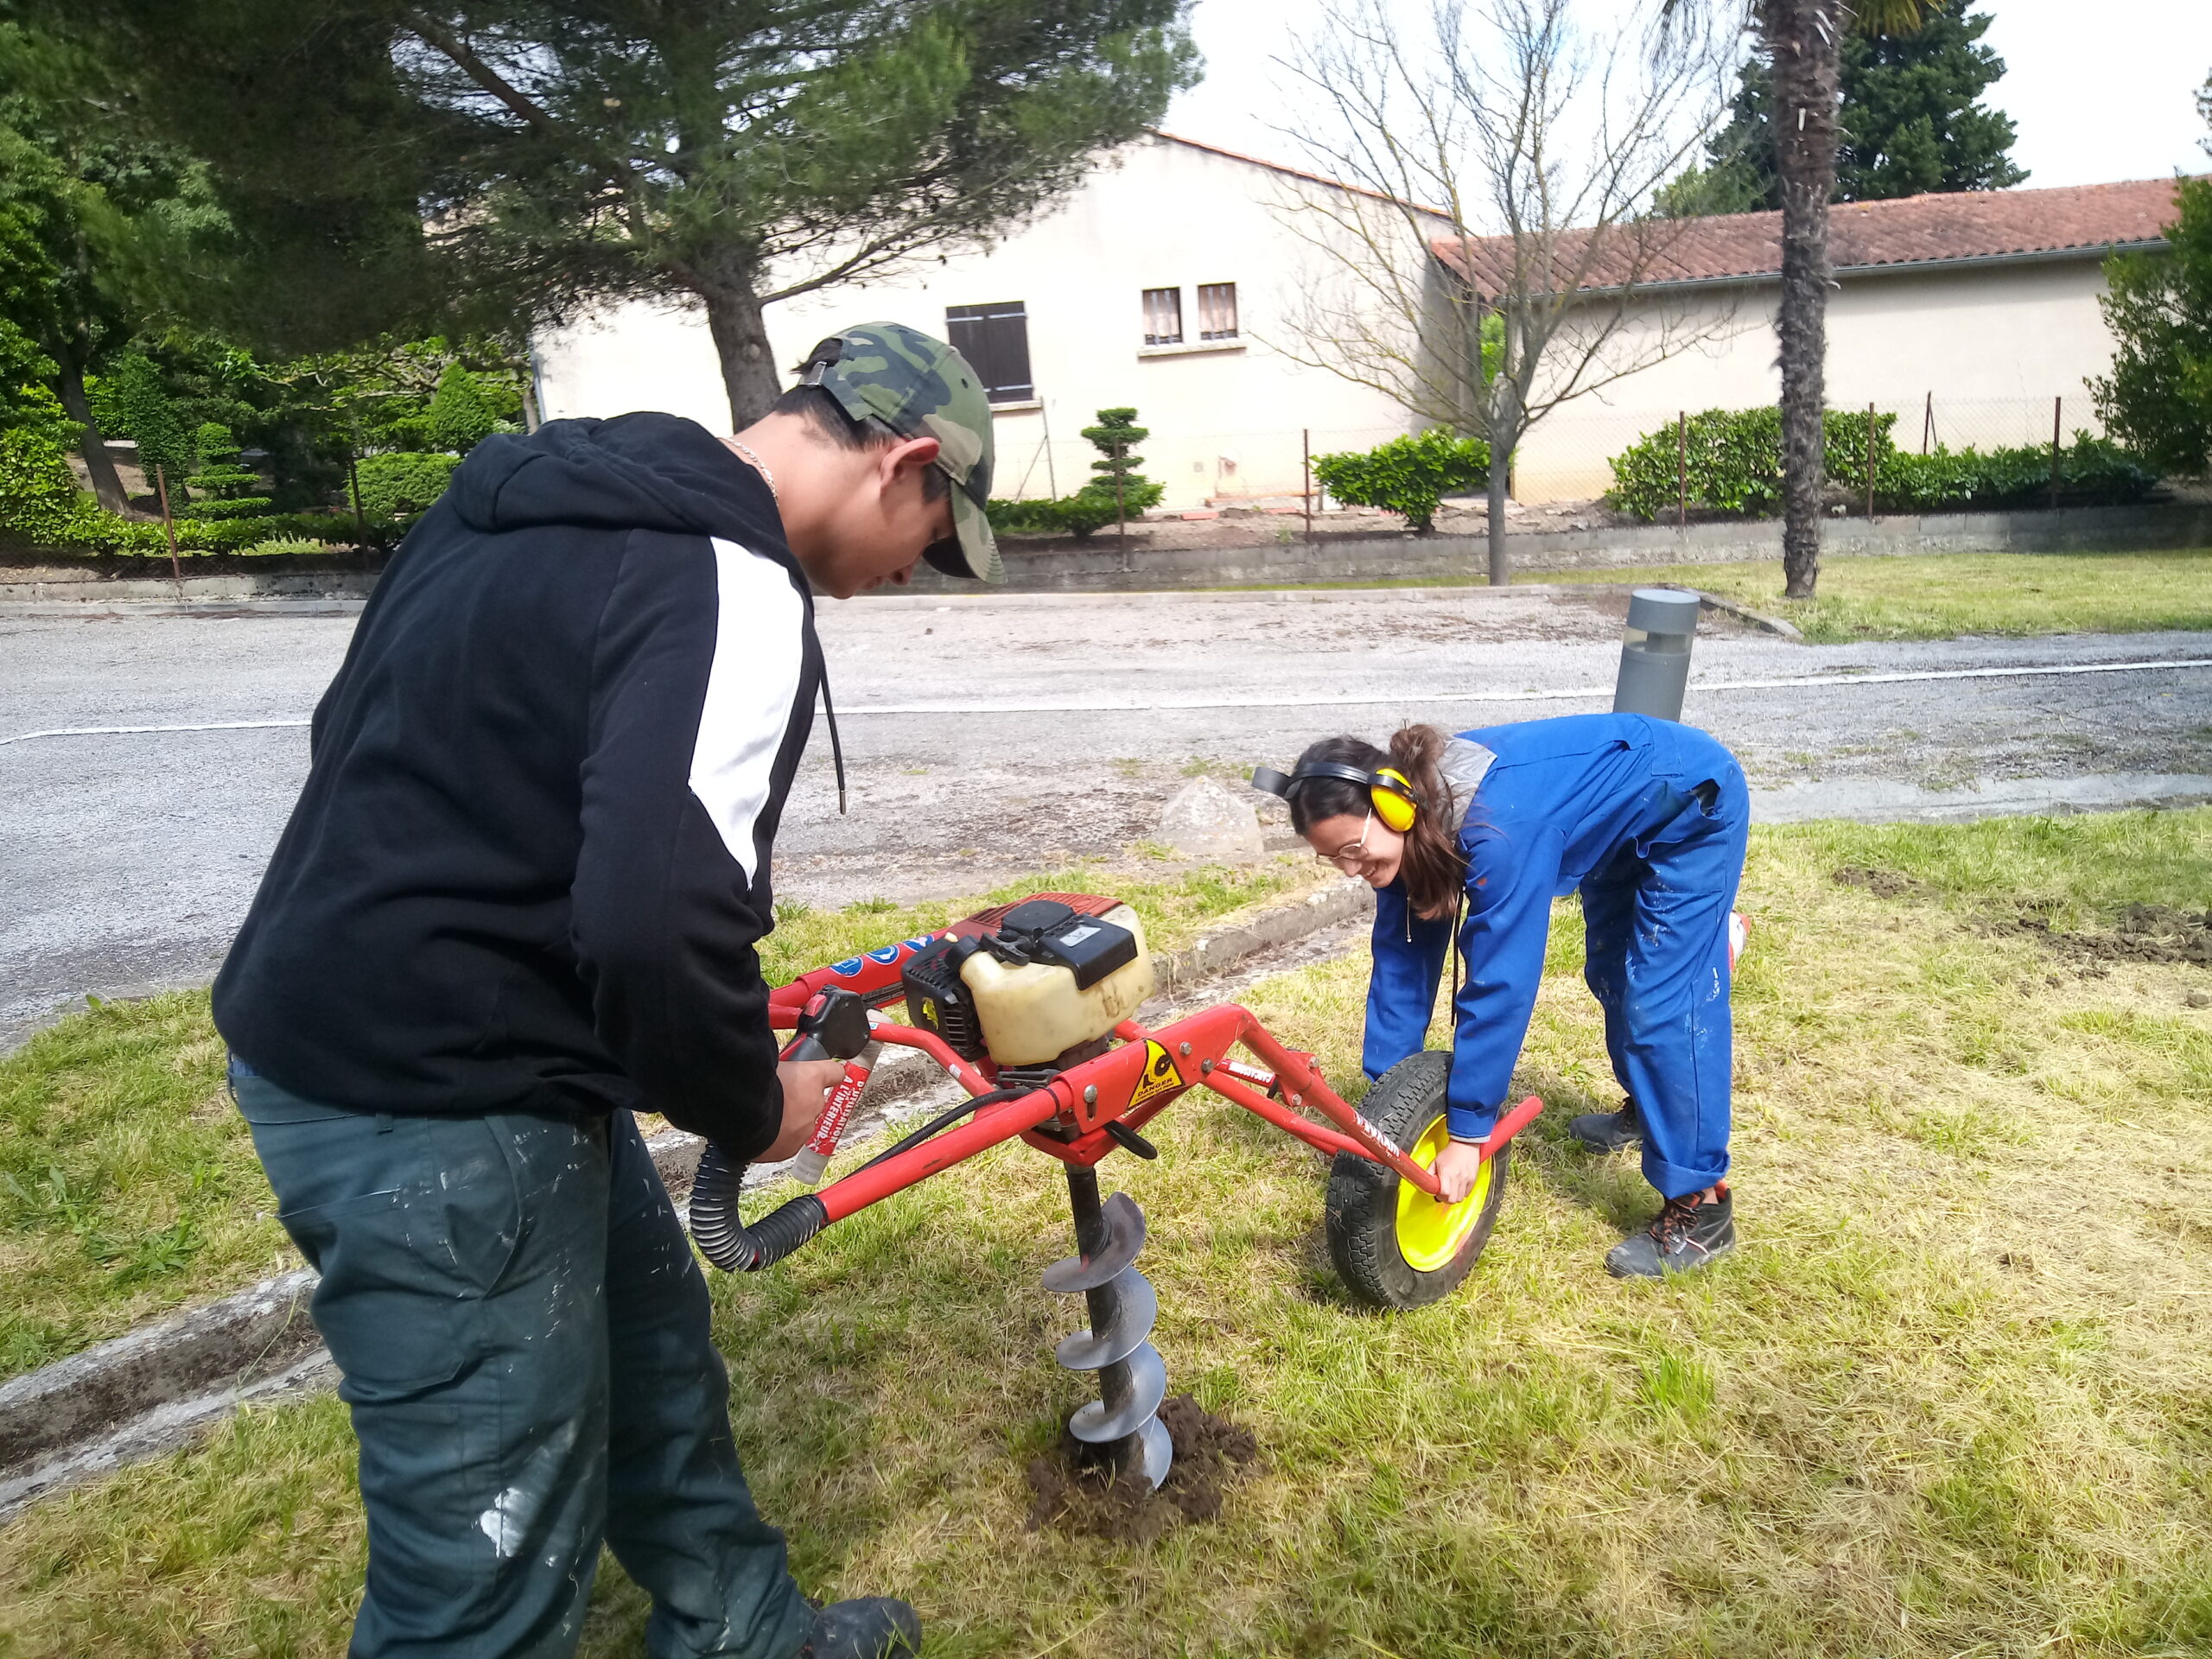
[(1390, 791)]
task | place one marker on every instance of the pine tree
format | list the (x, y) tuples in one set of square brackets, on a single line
[(1911, 123), (724, 155)]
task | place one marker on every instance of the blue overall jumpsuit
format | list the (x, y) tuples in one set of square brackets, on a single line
[(1648, 819)]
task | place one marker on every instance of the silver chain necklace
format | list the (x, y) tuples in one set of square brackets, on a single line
[(745, 452)]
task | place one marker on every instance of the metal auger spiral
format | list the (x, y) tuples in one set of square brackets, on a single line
[(1124, 1420)]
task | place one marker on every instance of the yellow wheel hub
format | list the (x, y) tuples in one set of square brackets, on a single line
[(1430, 1231)]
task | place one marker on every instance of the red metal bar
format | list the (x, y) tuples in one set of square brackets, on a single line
[(1282, 1117), (986, 1129), (935, 1047), (1301, 1080), (875, 974), (1510, 1125)]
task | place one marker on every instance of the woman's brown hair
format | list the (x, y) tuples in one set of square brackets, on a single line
[(1433, 867)]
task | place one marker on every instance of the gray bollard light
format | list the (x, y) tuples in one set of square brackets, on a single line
[(1656, 653)]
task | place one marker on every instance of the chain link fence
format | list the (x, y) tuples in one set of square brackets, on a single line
[(1565, 458)]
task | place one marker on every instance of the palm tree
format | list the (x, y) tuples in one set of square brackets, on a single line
[(1803, 43)]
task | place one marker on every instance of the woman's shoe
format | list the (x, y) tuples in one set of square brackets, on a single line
[(1690, 1232), (1608, 1131)]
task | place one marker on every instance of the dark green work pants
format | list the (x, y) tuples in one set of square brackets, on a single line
[(523, 1332)]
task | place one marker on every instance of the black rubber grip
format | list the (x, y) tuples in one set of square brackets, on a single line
[(725, 1239)]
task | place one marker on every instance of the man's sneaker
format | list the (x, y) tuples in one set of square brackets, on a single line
[(1608, 1131), (1690, 1232), (873, 1627)]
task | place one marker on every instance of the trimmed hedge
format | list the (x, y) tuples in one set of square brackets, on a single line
[(403, 483), (1734, 466), (1410, 475)]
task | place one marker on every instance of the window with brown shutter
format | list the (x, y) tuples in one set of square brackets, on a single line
[(1217, 310), (994, 338), (1163, 316)]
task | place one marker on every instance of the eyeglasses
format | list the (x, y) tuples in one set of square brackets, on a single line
[(1349, 859)]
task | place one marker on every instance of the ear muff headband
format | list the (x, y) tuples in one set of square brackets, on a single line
[(1390, 791)]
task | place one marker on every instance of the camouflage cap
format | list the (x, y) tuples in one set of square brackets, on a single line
[(920, 387)]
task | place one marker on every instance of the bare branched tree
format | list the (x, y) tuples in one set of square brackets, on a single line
[(1495, 261)]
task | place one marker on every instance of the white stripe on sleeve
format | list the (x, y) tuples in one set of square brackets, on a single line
[(750, 690)]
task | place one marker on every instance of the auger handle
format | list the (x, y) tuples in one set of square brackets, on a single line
[(725, 1239)]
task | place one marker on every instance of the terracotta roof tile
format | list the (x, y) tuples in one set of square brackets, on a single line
[(1916, 230)]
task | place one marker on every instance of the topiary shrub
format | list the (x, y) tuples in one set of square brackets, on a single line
[(403, 483), (1409, 476), (1119, 491), (220, 476)]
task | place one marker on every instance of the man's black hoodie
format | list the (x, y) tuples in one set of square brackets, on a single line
[(531, 862)]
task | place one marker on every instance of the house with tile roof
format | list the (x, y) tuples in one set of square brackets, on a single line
[(1162, 282), (1971, 316)]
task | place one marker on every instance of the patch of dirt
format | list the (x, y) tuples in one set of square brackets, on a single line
[(1883, 884), (1074, 1492), (2157, 933)]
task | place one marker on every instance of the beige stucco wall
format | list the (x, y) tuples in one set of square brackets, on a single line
[(1225, 425), (1993, 345)]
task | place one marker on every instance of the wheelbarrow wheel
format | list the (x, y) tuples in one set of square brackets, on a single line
[(1395, 1245)]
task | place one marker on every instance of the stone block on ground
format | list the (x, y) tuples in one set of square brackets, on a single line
[(1204, 820)]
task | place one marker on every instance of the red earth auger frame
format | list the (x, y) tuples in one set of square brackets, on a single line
[(1077, 1116)]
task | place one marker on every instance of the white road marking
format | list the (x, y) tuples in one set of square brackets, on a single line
[(1320, 700)]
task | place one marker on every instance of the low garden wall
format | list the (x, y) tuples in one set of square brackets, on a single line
[(1105, 566)]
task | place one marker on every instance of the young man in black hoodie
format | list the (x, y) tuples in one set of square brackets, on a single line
[(518, 900)]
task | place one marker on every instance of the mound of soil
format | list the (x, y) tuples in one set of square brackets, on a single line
[(1074, 1491), (2145, 933), (1883, 884)]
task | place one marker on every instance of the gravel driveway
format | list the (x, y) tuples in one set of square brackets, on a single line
[(991, 736)]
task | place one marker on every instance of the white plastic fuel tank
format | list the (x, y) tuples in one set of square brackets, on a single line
[(1034, 1013)]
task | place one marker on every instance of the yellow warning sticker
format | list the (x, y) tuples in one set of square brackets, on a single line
[(1159, 1074)]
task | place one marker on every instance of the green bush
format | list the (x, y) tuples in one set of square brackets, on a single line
[(464, 411), (1734, 466), (245, 506), (94, 530), (403, 483), (41, 504), (1409, 476)]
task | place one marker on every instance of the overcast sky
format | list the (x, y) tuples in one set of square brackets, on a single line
[(2098, 94)]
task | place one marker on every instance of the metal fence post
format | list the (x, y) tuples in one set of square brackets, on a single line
[(1656, 653), (1870, 463), (2055, 405), (1305, 476), (1683, 469), (169, 524)]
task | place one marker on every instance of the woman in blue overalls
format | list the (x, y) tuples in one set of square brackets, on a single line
[(1645, 817)]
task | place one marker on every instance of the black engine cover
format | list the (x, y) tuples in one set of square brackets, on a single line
[(937, 1000)]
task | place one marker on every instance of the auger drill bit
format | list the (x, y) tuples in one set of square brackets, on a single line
[(1132, 1378)]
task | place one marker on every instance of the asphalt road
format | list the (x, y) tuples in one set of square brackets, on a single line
[(990, 737)]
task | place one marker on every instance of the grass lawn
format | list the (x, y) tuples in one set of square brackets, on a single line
[(128, 1184), (1951, 1398), (1941, 595)]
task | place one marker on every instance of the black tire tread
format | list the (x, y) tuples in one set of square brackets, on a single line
[(1363, 1196)]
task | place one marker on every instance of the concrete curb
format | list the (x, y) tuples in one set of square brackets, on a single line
[(153, 1390), (255, 1333)]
